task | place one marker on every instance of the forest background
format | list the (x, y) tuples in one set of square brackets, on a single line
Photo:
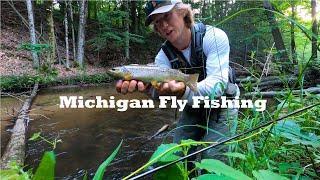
[(274, 49), (66, 36)]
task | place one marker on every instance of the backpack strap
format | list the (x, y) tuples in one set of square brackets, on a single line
[(198, 58), (176, 58)]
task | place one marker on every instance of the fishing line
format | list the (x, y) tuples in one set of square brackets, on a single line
[(222, 142)]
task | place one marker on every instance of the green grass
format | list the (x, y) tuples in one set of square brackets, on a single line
[(22, 83)]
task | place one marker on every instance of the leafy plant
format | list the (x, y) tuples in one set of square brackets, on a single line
[(38, 48), (100, 172), (46, 167), (15, 172), (37, 136)]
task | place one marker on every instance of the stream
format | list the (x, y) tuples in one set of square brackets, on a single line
[(89, 136)]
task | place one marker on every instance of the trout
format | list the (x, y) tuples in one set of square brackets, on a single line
[(153, 74)]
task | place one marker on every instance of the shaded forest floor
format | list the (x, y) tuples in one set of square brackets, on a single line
[(14, 62)]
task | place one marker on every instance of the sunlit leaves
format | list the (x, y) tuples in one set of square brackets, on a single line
[(35, 136), (235, 155), (167, 157), (267, 175), (46, 167), (220, 168), (212, 177), (100, 172), (292, 131), (15, 172)]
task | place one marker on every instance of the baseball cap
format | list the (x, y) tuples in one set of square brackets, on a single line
[(158, 7)]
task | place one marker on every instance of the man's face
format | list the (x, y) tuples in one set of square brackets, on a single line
[(170, 25)]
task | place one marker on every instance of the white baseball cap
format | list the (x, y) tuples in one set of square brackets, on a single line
[(158, 7)]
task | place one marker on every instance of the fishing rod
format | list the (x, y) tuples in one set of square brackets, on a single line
[(221, 142)]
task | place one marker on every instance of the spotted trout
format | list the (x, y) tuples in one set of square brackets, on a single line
[(153, 74)]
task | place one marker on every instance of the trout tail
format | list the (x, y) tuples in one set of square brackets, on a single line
[(191, 81)]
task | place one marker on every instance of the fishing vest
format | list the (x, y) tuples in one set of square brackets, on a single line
[(198, 59)]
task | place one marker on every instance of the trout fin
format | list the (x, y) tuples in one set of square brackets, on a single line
[(127, 76), (155, 84), (191, 81)]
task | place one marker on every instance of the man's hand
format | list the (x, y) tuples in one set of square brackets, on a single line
[(130, 86), (172, 88)]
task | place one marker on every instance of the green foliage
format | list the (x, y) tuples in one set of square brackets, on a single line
[(100, 172), (212, 177), (17, 83), (168, 157), (273, 154), (266, 175), (112, 32), (292, 131), (262, 155), (35, 136), (34, 47), (235, 155), (15, 172), (175, 171), (46, 70), (25, 82), (221, 169), (46, 167)]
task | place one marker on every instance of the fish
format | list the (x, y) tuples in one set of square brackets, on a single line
[(153, 74)]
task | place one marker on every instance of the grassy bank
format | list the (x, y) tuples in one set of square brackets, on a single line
[(25, 82)]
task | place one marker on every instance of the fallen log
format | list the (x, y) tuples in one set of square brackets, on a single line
[(15, 149), (270, 94), (275, 82), (265, 79)]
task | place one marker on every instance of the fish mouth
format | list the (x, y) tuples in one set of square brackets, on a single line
[(112, 71), (115, 72)]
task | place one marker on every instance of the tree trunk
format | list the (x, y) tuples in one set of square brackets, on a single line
[(15, 149), (66, 34), (133, 11), (72, 31), (140, 22), (32, 34), (95, 10), (52, 37), (81, 31), (127, 37), (276, 33), (314, 29), (293, 43)]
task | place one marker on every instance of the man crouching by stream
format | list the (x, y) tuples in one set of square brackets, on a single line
[(194, 49)]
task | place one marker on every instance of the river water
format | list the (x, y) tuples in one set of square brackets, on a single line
[(89, 136), (9, 108)]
